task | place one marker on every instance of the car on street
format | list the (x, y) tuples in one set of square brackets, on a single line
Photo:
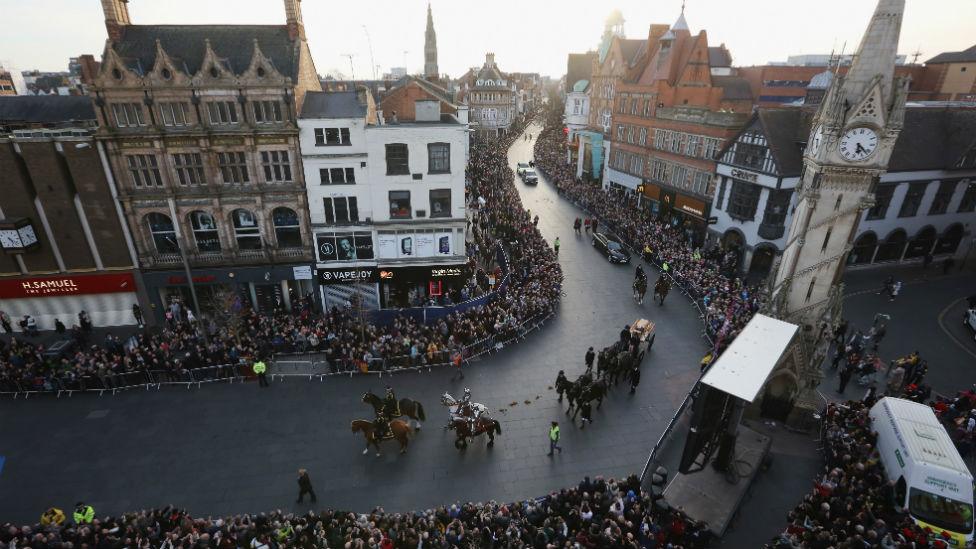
[(529, 177), (970, 320), (613, 250), (521, 167)]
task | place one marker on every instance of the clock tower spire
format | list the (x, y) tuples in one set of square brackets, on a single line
[(853, 134)]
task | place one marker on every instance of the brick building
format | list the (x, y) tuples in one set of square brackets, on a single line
[(952, 75), (199, 124), (490, 96), (59, 197)]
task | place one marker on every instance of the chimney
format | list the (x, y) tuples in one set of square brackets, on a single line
[(293, 18), (116, 17), (490, 59)]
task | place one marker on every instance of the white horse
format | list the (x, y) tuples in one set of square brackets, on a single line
[(477, 409)]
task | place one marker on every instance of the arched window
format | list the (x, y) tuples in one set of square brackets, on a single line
[(205, 231), (893, 247), (286, 228), (922, 243), (163, 233), (246, 230), (950, 239), (864, 248)]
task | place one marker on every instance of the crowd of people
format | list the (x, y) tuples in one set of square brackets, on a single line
[(186, 342), (706, 274), (597, 513), (852, 503)]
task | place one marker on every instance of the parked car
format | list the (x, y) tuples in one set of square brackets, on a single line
[(615, 251), (970, 320), (529, 177), (521, 167)]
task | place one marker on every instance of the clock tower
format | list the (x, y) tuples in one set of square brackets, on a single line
[(851, 140)]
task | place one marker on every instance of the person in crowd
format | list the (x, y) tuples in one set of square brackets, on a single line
[(554, 438), (305, 486)]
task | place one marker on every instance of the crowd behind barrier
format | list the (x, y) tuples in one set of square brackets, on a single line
[(596, 513), (187, 349)]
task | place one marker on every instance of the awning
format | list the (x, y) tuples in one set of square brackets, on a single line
[(744, 367)]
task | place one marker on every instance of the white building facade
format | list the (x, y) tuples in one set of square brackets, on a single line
[(387, 207)]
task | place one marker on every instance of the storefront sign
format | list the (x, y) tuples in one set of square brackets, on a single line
[(421, 274), (651, 191), (344, 246), (302, 272), (181, 142), (445, 272), (352, 274), (199, 279), (67, 285), (690, 205), (744, 175)]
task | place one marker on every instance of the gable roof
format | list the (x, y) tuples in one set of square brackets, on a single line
[(186, 45), (46, 109), (333, 105), (785, 131), (964, 56), (579, 66), (630, 49)]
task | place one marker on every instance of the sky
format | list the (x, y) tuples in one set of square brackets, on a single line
[(525, 35)]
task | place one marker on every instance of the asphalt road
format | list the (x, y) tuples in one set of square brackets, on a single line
[(230, 448)]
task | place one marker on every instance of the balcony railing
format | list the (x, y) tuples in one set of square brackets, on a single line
[(227, 257)]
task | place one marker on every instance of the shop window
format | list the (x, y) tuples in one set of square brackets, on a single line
[(400, 205), (913, 199), (205, 232), (246, 230), (439, 158), (942, 197), (882, 200), (163, 233), (743, 200), (288, 233), (397, 159), (440, 203)]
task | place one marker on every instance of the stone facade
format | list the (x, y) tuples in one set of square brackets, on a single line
[(491, 98)]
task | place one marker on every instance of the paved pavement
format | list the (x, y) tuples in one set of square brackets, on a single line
[(235, 448)]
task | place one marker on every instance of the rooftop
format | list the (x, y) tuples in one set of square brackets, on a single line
[(46, 109), (345, 104), (964, 56)]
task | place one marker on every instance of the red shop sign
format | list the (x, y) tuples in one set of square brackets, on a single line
[(54, 286)]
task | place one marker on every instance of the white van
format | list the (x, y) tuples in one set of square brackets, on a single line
[(932, 481)]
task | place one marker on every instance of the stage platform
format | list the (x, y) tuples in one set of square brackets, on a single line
[(708, 495)]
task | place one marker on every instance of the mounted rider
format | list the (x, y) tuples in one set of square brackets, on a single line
[(464, 411), (391, 406)]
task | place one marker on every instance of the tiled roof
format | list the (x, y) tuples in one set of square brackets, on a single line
[(46, 109), (719, 57), (333, 105), (186, 45), (578, 67)]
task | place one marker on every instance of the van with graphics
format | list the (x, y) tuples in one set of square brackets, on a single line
[(931, 480)]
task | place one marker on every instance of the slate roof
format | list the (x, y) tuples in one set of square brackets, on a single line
[(719, 57), (186, 45), (46, 109), (786, 130), (630, 49), (333, 105), (964, 56), (578, 67), (733, 87)]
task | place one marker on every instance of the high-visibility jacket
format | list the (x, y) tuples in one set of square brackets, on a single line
[(554, 433), (52, 516), (84, 514), (260, 367)]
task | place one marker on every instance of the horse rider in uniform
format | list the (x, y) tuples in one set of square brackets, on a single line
[(391, 406), (464, 411)]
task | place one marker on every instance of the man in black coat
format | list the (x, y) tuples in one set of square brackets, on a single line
[(634, 380), (561, 385), (845, 377), (590, 355), (304, 486)]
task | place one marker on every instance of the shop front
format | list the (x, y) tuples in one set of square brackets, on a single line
[(107, 298), (414, 286), (263, 288), (342, 287)]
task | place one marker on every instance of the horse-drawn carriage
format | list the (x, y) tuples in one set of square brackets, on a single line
[(643, 331)]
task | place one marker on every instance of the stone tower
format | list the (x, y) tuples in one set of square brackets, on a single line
[(851, 141), (430, 48)]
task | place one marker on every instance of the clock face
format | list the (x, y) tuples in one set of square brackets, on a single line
[(9, 239), (858, 144), (817, 141), (27, 235)]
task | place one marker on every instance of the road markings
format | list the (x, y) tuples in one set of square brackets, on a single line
[(952, 336)]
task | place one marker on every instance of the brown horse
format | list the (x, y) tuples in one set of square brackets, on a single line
[(398, 427), (482, 425)]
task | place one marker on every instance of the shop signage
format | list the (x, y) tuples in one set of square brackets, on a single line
[(302, 272), (690, 205), (140, 144), (181, 142), (744, 175), (199, 279), (67, 285), (344, 246), (272, 140), (227, 140), (421, 273), (443, 272), (351, 274)]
